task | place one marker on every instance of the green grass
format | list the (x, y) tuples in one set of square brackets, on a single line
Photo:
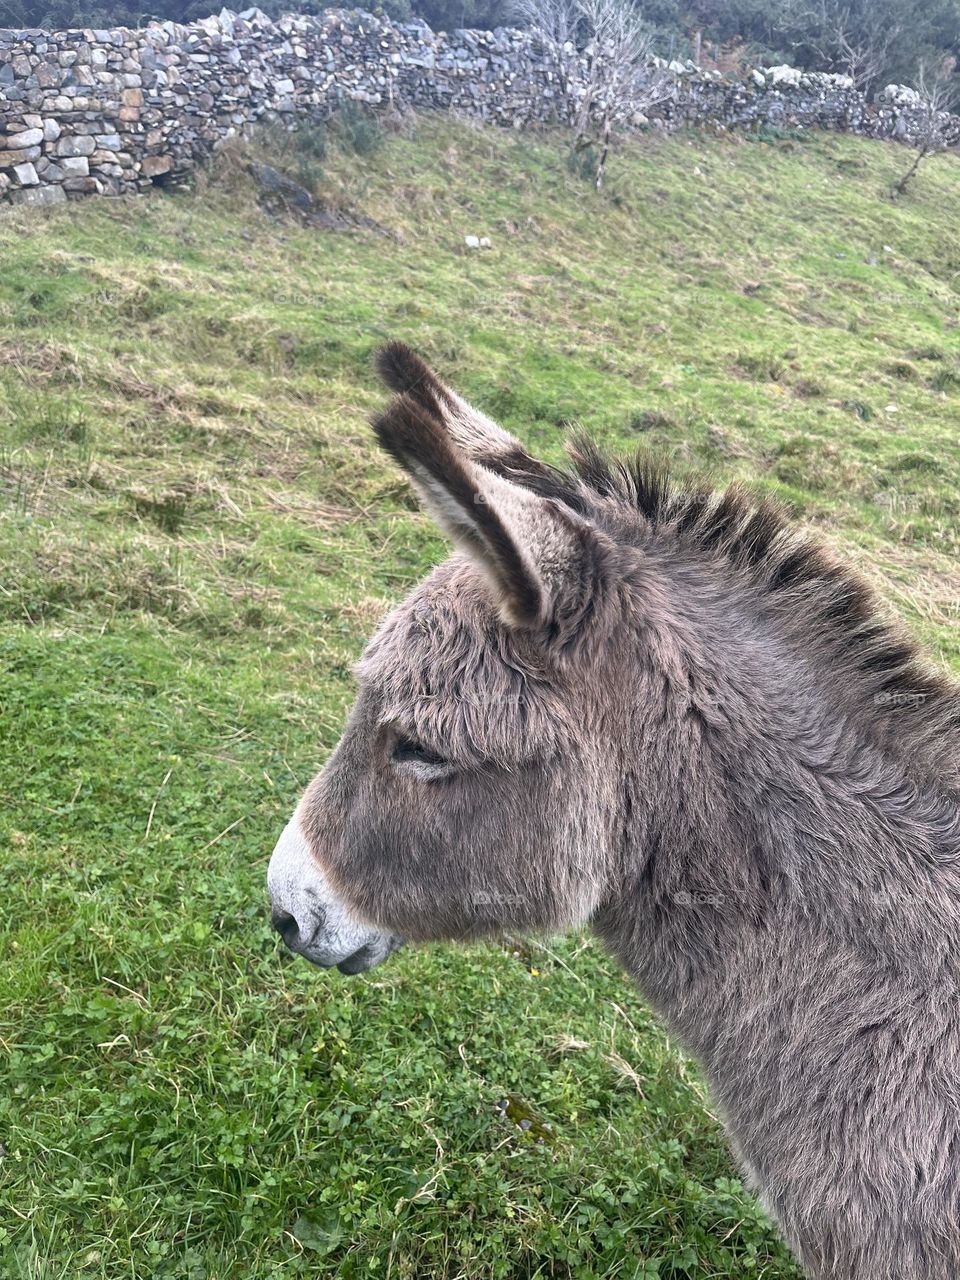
[(196, 536)]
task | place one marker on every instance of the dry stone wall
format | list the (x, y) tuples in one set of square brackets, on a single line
[(111, 112)]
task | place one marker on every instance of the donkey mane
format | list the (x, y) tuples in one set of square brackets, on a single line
[(875, 668)]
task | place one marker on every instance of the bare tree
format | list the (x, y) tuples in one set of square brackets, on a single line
[(612, 80), (937, 98), (854, 39), (557, 23), (555, 20), (862, 54)]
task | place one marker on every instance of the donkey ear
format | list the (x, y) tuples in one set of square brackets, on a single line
[(470, 430), (527, 546)]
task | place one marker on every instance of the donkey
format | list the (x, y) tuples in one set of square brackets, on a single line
[(662, 712)]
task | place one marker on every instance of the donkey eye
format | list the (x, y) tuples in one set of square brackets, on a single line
[(409, 751)]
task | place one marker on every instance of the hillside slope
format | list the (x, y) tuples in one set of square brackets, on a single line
[(196, 536)]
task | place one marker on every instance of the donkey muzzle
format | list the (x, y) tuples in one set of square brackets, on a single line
[(309, 916)]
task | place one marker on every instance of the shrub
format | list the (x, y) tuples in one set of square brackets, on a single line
[(356, 129)]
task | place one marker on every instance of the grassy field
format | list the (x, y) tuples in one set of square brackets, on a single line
[(196, 536)]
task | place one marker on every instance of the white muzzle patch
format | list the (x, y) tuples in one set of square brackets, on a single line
[(309, 916)]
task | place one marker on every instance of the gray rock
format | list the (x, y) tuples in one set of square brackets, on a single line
[(75, 166), (39, 196), (28, 138), (21, 156), (76, 145), (156, 166), (273, 183), (82, 186)]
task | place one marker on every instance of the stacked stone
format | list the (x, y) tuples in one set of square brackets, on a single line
[(787, 97), (110, 112), (71, 108)]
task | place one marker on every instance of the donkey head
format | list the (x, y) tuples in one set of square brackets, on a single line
[(472, 788)]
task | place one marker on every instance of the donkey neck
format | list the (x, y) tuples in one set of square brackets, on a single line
[(759, 810)]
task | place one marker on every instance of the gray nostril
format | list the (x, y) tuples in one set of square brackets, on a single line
[(287, 927)]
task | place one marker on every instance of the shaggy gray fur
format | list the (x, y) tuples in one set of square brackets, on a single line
[(658, 710)]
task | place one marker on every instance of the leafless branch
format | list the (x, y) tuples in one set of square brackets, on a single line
[(936, 98), (855, 44), (555, 20), (612, 79)]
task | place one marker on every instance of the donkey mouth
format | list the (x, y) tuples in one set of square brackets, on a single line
[(370, 955), (311, 919), (361, 960), (312, 948), (366, 957)]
